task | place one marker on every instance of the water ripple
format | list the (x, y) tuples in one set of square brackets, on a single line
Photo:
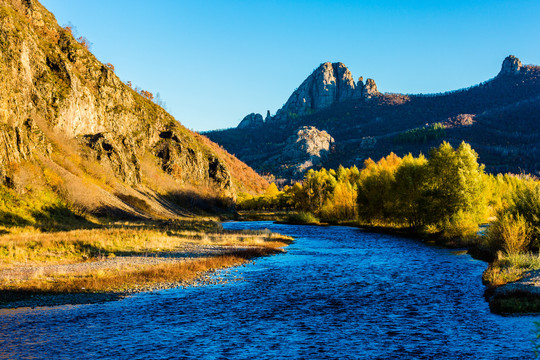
[(338, 293)]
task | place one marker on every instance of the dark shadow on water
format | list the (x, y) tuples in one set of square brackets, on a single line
[(10, 299)]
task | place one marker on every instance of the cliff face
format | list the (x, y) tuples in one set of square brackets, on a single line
[(510, 66), (57, 99)]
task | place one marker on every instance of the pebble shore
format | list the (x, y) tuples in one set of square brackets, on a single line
[(12, 300)]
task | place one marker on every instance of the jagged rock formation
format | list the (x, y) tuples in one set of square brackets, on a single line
[(370, 89), (251, 120), (268, 116), (63, 110), (500, 119), (330, 83), (511, 66)]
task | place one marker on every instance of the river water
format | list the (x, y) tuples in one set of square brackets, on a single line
[(338, 293)]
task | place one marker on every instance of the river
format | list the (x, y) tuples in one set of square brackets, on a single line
[(338, 293)]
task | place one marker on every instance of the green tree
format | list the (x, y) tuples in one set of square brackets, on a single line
[(410, 182), (454, 184)]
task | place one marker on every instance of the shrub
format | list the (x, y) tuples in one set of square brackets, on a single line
[(527, 205), (84, 42), (509, 233), (302, 218), (461, 225)]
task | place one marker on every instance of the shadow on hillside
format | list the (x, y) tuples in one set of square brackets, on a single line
[(59, 218), (200, 204)]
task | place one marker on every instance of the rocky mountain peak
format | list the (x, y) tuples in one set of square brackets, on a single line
[(370, 88), (328, 84), (511, 65)]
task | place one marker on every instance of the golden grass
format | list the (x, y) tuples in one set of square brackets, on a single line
[(35, 251), (509, 268), (82, 245), (116, 280)]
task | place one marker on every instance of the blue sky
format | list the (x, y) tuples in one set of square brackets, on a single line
[(213, 62)]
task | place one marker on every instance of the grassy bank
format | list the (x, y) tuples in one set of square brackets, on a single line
[(118, 257)]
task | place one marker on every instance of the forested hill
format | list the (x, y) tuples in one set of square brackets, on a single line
[(500, 118)]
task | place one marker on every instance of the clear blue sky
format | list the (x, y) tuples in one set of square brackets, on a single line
[(215, 61)]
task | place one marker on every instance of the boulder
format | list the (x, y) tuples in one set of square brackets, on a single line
[(306, 148)]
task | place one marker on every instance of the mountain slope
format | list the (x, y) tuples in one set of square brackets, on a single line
[(69, 124), (498, 117)]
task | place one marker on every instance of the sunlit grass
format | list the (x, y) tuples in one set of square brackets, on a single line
[(130, 239), (509, 268), (121, 279)]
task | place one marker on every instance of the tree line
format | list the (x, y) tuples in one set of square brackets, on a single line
[(448, 193)]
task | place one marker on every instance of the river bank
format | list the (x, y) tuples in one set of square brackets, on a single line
[(114, 261)]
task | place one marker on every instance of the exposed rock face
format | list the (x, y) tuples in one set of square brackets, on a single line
[(307, 147), (117, 152), (460, 120), (510, 66), (330, 83), (252, 120), (56, 96), (370, 89)]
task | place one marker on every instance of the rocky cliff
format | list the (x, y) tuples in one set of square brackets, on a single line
[(68, 114), (251, 120), (329, 84), (510, 66)]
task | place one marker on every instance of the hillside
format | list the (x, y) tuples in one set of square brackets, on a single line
[(74, 136), (498, 117)]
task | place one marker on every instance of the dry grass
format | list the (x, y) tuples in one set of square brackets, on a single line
[(35, 252), (510, 268), (116, 280), (82, 245)]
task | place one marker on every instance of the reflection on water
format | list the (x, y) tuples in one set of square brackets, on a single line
[(337, 293)]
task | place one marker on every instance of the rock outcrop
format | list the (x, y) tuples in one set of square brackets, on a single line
[(251, 120), (511, 66), (370, 89), (268, 116), (306, 148), (330, 83)]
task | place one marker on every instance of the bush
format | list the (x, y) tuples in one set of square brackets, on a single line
[(527, 205), (302, 218), (461, 225), (509, 233)]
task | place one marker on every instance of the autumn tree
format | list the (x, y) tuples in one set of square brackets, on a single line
[(376, 201), (409, 188), (454, 186)]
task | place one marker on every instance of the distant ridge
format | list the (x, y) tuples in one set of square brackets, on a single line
[(499, 117)]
